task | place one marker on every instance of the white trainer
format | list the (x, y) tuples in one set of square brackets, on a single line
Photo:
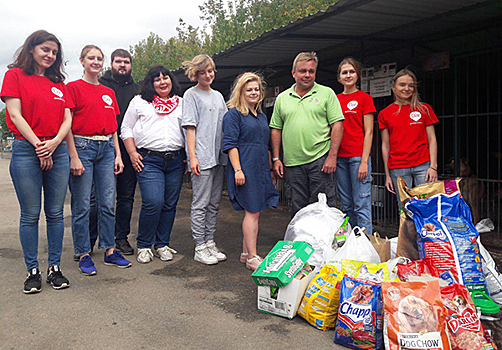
[(145, 255), (203, 255), (164, 253), (211, 246)]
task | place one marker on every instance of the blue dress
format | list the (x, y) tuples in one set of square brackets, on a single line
[(251, 135)]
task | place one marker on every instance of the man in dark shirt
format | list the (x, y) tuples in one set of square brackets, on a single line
[(119, 79)]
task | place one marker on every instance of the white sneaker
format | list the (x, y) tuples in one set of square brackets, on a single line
[(203, 255), (211, 246), (164, 253), (145, 255)]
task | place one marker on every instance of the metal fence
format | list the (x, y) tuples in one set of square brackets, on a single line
[(467, 100)]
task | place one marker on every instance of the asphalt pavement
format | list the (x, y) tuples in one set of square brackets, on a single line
[(180, 304)]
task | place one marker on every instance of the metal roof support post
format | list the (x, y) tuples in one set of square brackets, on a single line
[(455, 121)]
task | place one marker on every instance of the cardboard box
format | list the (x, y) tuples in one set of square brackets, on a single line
[(286, 301), (282, 263)]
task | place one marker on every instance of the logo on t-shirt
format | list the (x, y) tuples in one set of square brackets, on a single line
[(58, 93), (313, 99), (416, 116), (352, 104), (108, 100)]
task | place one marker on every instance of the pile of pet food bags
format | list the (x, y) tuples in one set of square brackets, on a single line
[(431, 296)]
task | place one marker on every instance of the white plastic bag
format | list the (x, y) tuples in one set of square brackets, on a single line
[(316, 224), (493, 277), (393, 247), (357, 247), (485, 225)]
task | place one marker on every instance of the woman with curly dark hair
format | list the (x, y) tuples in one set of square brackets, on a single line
[(154, 139)]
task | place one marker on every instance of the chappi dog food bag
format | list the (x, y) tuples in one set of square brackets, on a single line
[(446, 235), (359, 323)]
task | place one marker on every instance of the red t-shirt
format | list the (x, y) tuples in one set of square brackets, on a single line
[(96, 109), (42, 102), (354, 107), (408, 141)]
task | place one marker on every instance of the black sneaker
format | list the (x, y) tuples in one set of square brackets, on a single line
[(33, 283), (124, 247), (56, 278)]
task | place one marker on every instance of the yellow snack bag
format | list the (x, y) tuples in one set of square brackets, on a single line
[(367, 271), (320, 303)]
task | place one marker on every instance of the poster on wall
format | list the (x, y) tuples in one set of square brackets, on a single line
[(377, 80)]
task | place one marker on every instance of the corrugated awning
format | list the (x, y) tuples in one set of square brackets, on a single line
[(374, 31)]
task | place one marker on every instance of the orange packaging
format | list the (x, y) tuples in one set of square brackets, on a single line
[(415, 317)]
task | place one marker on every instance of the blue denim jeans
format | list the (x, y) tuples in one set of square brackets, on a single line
[(354, 194), (126, 186), (160, 183), (98, 159), (29, 180), (413, 176)]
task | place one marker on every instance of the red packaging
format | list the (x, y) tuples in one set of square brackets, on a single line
[(464, 326), (415, 317), (417, 268)]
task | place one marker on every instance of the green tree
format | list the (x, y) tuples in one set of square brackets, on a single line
[(227, 22), (3, 124), (146, 53)]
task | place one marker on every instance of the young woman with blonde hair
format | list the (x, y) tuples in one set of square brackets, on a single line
[(249, 176), (94, 156), (203, 110), (409, 145)]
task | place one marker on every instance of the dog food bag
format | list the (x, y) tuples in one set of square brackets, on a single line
[(366, 271), (416, 268), (447, 236), (464, 326), (415, 318), (359, 323), (322, 297), (407, 242)]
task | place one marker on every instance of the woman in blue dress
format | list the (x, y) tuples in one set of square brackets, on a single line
[(249, 177)]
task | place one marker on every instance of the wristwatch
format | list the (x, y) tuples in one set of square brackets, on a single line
[(274, 159)]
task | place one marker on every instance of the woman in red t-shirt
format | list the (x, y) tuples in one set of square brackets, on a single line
[(94, 157), (353, 171), (409, 146), (38, 114)]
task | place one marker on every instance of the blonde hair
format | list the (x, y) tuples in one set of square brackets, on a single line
[(88, 48), (237, 99), (415, 103), (305, 56), (193, 67)]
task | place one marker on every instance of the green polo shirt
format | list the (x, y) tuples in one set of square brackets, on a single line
[(305, 123)]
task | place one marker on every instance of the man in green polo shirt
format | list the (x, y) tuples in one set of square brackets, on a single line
[(307, 119)]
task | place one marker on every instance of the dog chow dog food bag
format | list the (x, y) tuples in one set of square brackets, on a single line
[(464, 327), (446, 235), (414, 316), (359, 323)]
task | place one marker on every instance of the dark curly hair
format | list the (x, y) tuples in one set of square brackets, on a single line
[(148, 91), (24, 58)]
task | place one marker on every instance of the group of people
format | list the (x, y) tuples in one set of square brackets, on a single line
[(102, 135)]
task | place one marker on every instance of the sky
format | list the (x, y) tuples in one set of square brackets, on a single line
[(105, 23)]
